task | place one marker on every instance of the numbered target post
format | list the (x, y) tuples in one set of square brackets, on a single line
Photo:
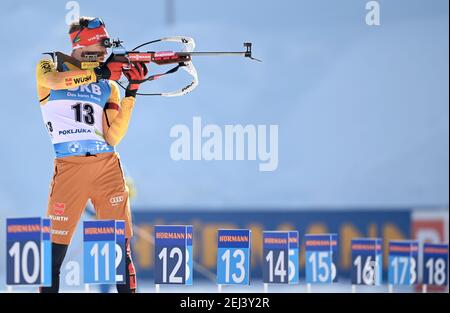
[(403, 269), (293, 270), (189, 271), (275, 257), (334, 256), (233, 256), (435, 264), (121, 251), (173, 255), (99, 240), (366, 261), (29, 251), (321, 255)]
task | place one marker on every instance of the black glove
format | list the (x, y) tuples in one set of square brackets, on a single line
[(136, 72)]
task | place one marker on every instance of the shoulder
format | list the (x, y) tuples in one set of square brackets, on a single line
[(114, 86), (114, 95), (45, 65)]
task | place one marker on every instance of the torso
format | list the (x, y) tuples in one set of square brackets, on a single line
[(73, 118)]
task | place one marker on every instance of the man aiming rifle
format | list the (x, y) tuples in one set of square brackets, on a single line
[(86, 119)]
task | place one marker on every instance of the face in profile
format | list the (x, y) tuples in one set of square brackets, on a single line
[(94, 53)]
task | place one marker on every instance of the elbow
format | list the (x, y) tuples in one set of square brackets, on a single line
[(53, 84)]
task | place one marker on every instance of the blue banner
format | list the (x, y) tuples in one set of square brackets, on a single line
[(99, 230)]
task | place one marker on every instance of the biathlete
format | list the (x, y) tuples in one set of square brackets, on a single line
[(86, 119)]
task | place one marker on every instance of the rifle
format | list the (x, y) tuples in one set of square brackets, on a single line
[(183, 59)]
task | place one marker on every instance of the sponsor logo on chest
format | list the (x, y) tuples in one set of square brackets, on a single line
[(92, 92), (95, 93), (74, 131), (90, 89)]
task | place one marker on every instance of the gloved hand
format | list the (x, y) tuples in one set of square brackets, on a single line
[(110, 69), (136, 72)]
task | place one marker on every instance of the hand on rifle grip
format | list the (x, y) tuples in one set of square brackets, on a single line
[(135, 75), (111, 69)]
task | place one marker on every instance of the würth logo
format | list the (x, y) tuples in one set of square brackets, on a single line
[(82, 79), (116, 200), (68, 81)]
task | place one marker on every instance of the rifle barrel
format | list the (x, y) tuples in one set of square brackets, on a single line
[(196, 53)]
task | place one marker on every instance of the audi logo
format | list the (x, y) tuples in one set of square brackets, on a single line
[(115, 200)]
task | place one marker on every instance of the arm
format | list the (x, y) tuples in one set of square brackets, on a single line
[(117, 116), (47, 77)]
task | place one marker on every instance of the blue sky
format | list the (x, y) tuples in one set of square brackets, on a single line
[(362, 111)]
